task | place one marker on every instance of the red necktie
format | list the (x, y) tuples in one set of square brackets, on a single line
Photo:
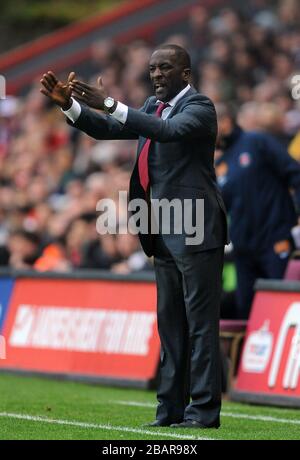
[(143, 157)]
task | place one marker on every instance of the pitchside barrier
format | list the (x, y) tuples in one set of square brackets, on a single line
[(269, 368), (97, 326), (90, 325)]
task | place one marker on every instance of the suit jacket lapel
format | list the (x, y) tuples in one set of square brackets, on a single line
[(152, 108), (174, 110)]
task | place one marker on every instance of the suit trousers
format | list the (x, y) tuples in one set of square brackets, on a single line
[(188, 310)]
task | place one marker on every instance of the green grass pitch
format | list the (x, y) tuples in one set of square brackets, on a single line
[(34, 408)]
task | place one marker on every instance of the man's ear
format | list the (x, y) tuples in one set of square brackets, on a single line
[(186, 74)]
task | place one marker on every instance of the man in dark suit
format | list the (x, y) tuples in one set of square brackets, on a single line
[(260, 184), (177, 131)]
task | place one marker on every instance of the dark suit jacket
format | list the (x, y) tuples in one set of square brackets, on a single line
[(181, 162)]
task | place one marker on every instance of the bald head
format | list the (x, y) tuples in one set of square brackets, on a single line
[(181, 55)]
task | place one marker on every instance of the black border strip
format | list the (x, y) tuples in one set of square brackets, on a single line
[(277, 285), (264, 399), (142, 276)]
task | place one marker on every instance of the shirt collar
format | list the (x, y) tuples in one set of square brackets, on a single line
[(178, 96)]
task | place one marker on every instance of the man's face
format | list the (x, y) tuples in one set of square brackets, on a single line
[(225, 126), (167, 74)]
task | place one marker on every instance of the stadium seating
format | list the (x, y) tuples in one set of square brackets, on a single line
[(293, 268), (232, 333)]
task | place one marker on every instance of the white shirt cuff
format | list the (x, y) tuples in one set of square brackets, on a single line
[(120, 113), (74, 111)]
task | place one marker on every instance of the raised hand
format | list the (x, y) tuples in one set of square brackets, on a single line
[(93, 96), (57, 91)]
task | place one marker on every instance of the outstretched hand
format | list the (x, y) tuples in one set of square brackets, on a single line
[(93, 96), (57, 91)]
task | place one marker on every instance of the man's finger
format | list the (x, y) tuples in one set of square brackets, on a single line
[(79, 95), (45, 92), (48, 79), (46, 84), (99, 81), (80, 98), (77, 90), (81, 90), (52, 76), (68, 91), (81, 85), (71, 77)]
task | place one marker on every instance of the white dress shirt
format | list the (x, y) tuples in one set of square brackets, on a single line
[(121, 111)]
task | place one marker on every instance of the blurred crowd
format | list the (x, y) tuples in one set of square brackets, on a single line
[(52, 176)]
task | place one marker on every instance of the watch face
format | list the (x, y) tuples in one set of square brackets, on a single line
[(109, 102)]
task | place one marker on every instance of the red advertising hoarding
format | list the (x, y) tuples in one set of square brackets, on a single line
[(96, 328), (269, 370)]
